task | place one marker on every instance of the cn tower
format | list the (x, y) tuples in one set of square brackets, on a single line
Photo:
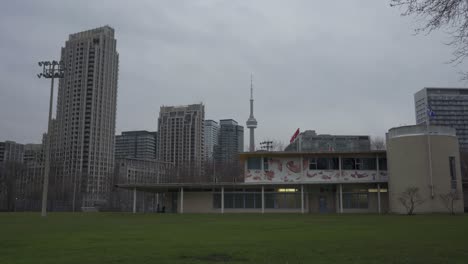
[(251, 122)]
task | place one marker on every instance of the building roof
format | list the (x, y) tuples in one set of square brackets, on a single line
[(305, 153)]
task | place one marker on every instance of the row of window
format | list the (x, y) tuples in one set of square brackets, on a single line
[(355, 200), (242, 200), (255, 163), (254, 200)]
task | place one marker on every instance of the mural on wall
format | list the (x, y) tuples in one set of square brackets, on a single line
[(289, 170)]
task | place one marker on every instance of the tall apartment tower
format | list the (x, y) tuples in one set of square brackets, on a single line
[(84, 129), (181, 136), (230, 142), (251, 122), (11, 151), (450, 108), (211, 138), (136, 144)]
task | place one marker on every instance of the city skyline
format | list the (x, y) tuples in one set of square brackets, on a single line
[(190, 58)]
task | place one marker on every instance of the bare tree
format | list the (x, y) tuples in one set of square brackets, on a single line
[(378, 143), (441, 14), (10, 173), (449, 199), (410, 199)]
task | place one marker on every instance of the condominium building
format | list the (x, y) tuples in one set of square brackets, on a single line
[(181, 138), (136, 144), (211, 137), (11, 151), (309, 140), (448, 106), (230, 141), (30, 184), (131, 170), (84, 129)]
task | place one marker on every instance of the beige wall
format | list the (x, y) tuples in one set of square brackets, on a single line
[(198, 202), (409, 167)]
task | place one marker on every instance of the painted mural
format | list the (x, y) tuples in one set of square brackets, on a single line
[(290, 171)]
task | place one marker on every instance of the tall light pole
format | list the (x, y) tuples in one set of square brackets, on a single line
[(50, 70), (266, 145)]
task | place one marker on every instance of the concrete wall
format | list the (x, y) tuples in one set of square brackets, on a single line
[(408, 165), (198, 202)]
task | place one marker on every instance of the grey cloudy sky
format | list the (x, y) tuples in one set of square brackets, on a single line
[(339, 67)]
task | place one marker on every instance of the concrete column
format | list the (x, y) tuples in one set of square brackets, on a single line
[(339, 166), (134, 200), (341, 198), (222, 200), (377, 166), (263, 199), (378, 197), (302, 198), (181, 200)]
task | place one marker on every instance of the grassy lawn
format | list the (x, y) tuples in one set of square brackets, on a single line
[(232, 238)]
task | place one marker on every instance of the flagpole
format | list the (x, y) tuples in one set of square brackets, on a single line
[(429, 151)]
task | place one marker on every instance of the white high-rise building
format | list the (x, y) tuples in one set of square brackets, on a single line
[(84, 129), (448, 107), (181, 138), (211, 137)]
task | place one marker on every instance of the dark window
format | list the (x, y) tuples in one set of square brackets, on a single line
[(383, 164), (348, 164), (359, 164), (368, 164), (355, 201), (324, 164), (265, 163), (313, 164), (453, 173), (254, 163)]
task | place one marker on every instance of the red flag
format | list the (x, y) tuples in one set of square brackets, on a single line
[(294, 136)]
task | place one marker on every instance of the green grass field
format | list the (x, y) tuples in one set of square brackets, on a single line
[(232, 238)]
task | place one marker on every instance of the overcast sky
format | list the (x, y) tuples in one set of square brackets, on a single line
[(337, 67)]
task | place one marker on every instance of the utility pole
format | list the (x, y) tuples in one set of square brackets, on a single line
[(50, 70)]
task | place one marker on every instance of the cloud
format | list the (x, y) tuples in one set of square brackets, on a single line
[(338, 67)]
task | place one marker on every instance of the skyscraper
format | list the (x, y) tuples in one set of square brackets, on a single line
[(211, 137), (136, 144), (449, 107), (230, 142), (11, 151), (84, 129), (181, 138), (251, 122)]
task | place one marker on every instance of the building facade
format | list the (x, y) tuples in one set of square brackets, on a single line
[(136, 144), (334, 182), (310, 141), (84, 129), (30, 184), (230, 141), (450, 108), (11, 151), (211, 138), (148, 171), (181, 138)]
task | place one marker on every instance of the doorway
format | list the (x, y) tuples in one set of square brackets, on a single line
[(323, 204)]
